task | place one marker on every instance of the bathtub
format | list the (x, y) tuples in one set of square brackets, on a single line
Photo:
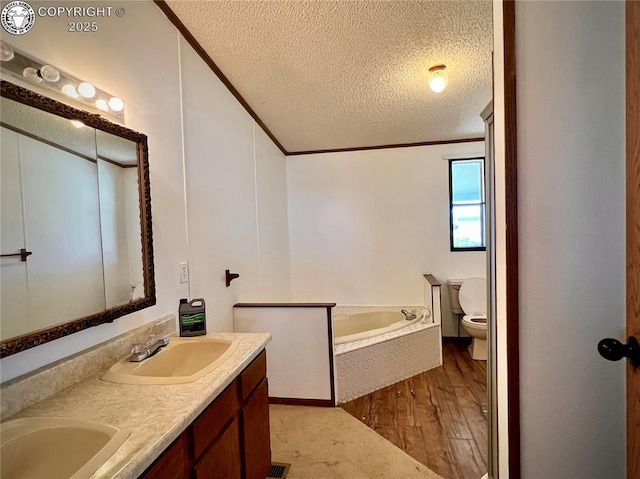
[(375, 346), (360, 326)]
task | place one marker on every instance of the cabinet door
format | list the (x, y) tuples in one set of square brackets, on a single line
[(256, 440), (210, 424), (252, 376), (222, 460), (171, 464)]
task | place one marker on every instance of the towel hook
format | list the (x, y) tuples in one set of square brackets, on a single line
[(230, 277)]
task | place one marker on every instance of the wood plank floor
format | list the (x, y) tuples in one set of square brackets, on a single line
[(438, 417)]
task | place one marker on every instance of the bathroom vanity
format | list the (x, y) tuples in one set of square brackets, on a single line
[(230, 439), (214, 427)]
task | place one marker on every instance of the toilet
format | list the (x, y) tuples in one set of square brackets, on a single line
[(472, 296)]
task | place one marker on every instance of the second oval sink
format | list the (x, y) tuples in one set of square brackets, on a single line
[(37, 447), (183, 360)]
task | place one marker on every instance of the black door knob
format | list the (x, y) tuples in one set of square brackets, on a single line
[(614, 350)]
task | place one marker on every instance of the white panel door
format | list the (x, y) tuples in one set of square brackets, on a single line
[(60, 191)]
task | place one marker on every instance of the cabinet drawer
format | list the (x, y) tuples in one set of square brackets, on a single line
[(253, 375), (212, 421)]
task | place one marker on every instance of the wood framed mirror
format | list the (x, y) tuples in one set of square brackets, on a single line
[(77, 245)]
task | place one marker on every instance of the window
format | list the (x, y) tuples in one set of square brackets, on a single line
[(467, 204)]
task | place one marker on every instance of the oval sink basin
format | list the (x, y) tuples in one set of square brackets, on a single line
[(183, 360), (56, 447)]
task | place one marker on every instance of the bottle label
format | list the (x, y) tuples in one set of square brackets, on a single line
[(192, 322)]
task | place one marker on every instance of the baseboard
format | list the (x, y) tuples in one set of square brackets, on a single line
[(302, 402)]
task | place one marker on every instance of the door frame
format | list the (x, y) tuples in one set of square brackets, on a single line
[(632, 13), (511, 223), (632, 173)]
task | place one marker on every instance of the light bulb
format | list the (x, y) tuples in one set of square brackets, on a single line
[(31, 74), (70, 91), (49, 73), (437, 84), (116, 104), (77, 123), (87, 90), (437, 78), (6, 52), (101, 104)]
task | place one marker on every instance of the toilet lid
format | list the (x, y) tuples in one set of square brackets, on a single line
[(473, 296)]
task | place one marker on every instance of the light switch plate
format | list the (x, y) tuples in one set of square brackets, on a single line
[(184, 272)]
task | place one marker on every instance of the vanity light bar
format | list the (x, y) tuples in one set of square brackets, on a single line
[(35, 73)]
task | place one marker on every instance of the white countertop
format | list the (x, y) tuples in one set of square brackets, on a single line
[(155, 414)]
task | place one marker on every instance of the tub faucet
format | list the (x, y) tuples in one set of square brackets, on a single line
[(408, 315), (140, 352)]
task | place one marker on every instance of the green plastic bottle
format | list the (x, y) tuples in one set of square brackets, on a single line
[(192, 317)]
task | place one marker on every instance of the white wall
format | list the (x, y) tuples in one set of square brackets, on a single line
[(570, 74), (273, 221), (62, 228), (137, 57), (236, 198), (54, 213), (13, 272), (134, 241), (365, 226), (298, 355), (114, 232)]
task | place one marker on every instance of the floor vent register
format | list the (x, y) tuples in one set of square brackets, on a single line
[(278, 470)]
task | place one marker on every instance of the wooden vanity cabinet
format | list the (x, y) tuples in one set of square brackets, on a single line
[(223, 459), (171, 465), (230, 439), (255, 428), (256, 442)]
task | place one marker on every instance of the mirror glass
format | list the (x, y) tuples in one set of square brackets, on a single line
[(75, 232)]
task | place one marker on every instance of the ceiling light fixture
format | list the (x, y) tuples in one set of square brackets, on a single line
[(116, 104), (39, 76), (438, 78), (101, 104), (70, 91), (6, 52), (87, 90), (49, 73)]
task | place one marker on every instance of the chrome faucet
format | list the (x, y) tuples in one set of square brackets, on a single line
[(140, 352), (408, 315)]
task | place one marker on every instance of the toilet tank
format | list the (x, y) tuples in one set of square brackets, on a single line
[(454, 289)]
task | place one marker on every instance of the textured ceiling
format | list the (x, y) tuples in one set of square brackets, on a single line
[(344, 74)]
